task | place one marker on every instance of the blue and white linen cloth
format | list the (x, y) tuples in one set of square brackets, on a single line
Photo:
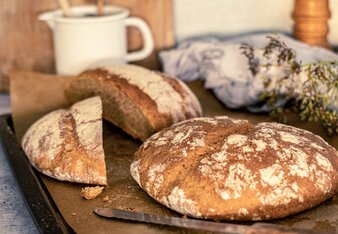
[(224, 68)]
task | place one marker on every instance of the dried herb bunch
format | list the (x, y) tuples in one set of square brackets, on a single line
[(285, 55), (253, 62), (311, 90), (319, 99)]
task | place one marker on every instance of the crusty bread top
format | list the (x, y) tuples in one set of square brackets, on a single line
[(158, 87), (67, 144), (231, 169), (139, 101)]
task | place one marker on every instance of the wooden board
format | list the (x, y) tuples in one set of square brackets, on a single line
[(26, 43)]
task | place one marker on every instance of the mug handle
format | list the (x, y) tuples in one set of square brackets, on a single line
[(148, 41)]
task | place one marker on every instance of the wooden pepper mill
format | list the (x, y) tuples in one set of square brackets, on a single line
[(311, 21)]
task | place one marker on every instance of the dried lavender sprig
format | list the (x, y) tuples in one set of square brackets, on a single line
[(253, 62)]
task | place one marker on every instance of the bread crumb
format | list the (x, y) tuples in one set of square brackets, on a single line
[(130, 208), (91, 192), (73, 213), (105, 199)]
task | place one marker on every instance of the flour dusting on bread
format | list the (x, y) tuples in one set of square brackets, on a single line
[(67, 144), (88, 124), (167, 99), (50, 143), (252, 172), (139, 101)]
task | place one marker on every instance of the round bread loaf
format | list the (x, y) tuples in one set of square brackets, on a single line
[(231, 169), (138, 100)]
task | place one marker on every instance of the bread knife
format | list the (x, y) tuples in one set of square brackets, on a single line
[(195, 223)]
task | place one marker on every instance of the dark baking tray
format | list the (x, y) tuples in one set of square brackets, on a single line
[(39, 202), (37, 199)]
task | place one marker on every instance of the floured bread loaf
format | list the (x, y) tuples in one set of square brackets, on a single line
[(138, 100), (230, 169), (66, 144)]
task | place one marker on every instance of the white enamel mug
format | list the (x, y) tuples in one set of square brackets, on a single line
[(82, 43)]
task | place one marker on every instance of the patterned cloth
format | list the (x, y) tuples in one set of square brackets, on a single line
[(225, 70)]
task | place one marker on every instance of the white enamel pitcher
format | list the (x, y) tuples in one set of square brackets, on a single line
[(84, 41)]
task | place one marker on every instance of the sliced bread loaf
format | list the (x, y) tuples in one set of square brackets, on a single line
[(139, 101), (67, 144)]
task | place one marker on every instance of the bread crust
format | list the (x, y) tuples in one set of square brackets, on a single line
[(67, 144), (162, 99), (231, 169)]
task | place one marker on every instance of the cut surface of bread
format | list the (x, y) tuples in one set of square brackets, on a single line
[(231, 169), (67, 144), (139, 101)]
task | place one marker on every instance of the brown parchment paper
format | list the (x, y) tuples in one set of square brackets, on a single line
[(33, 95)]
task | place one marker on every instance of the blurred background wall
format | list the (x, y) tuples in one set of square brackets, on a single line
[(231, 17)]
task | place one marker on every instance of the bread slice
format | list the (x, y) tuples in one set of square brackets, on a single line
[(139, 101), (67, 144)]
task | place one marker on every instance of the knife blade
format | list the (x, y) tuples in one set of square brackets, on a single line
[(170, 221), (203, 225)]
